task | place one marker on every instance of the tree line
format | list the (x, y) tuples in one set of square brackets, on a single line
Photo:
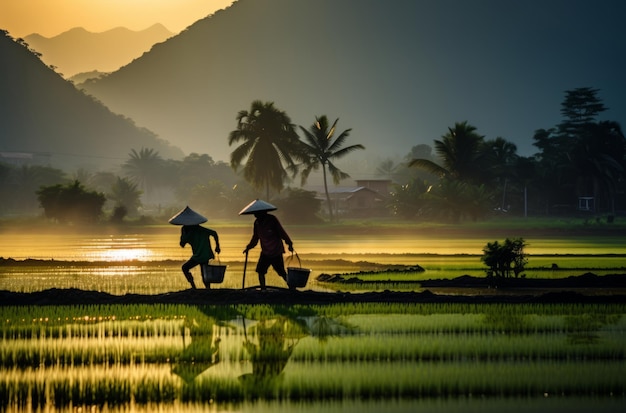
[(463, 176), (269, 156), (580, 165)]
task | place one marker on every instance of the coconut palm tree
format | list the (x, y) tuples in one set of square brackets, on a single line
[(125, 193), (321, 150), (460, 151), (25, 181), (269, 146), (145, 169), (597, 157), (500, 160)]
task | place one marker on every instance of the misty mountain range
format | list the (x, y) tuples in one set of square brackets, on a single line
[(399, 73), (79, 51), (46, 116)]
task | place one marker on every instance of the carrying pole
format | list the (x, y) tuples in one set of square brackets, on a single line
[(245, 265)]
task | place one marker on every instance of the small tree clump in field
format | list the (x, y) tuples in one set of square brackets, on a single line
[(71, 203), (506, 258)]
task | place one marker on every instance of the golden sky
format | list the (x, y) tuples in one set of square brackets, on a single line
[(52, 17)]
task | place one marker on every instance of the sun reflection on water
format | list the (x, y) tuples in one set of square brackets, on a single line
[(124, 254)]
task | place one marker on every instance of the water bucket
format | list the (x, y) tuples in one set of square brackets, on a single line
[(213, 273), (297, 277)]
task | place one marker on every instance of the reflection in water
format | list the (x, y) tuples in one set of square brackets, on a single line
[(324, 327), (201, 353), (158, 245), (269, 344), (125, 254), (584, 328), (507, 322), (276, 339)]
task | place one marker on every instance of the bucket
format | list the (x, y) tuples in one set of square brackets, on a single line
[(212, 273), (297, 277)]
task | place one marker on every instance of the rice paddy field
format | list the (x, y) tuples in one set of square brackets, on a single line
[(441, 357), (339, 357), (147, 260)]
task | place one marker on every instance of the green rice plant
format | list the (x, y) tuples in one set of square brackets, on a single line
[(372, 380), (163, 355), (458, 346), (90, 321)]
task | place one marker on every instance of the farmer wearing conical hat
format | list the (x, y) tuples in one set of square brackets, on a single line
[(268, 230), (198, 237)]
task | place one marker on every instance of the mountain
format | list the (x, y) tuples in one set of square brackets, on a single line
[(44, 114), (85, 76), (77, 50), (399, 73)]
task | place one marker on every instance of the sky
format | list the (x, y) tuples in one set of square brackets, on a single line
[(52, 17), (516, 59)]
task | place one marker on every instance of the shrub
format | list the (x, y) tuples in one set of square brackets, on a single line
[(504, 259), (71, 202)]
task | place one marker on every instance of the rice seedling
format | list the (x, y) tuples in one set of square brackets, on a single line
[(373, 380), (130, 357)]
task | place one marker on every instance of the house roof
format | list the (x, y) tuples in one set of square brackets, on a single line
[(347, 193)]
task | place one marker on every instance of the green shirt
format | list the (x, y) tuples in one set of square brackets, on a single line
[(198, 238)]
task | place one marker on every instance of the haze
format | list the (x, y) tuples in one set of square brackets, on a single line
[(397, 73), (52, 17)]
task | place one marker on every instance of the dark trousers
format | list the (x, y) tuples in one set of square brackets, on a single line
[(187, 270), (276, 262)]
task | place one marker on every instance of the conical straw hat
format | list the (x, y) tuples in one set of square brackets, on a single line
[(187, 216), (257, 206)]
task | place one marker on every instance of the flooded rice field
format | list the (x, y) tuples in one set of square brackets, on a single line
[(161, 243), (338, 357), (148, 262), (349, 358)]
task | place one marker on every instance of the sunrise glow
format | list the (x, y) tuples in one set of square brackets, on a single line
[(52, 17)]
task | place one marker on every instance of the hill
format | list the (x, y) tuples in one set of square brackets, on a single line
[(46, 115), (78, 51), (398, 73)]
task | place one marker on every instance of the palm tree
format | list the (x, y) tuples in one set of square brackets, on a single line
[(597, 155), (387, 168), (125, 193), (268, 141), (460, 150), (500, 158), (321, 150), (26, 180), (144, 168)]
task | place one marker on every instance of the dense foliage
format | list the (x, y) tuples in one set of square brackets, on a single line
[(505, 259), (579, 169), (71, 203)]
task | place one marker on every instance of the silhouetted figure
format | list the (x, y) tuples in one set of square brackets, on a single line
[(268, 230), (198, 237), (269, 357), (201, 353)]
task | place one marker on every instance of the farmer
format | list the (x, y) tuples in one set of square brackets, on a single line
[(268, 230), (198, 237)]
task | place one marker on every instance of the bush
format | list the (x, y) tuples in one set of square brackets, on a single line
[(119, 212), (505, 259), (71, 203)]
